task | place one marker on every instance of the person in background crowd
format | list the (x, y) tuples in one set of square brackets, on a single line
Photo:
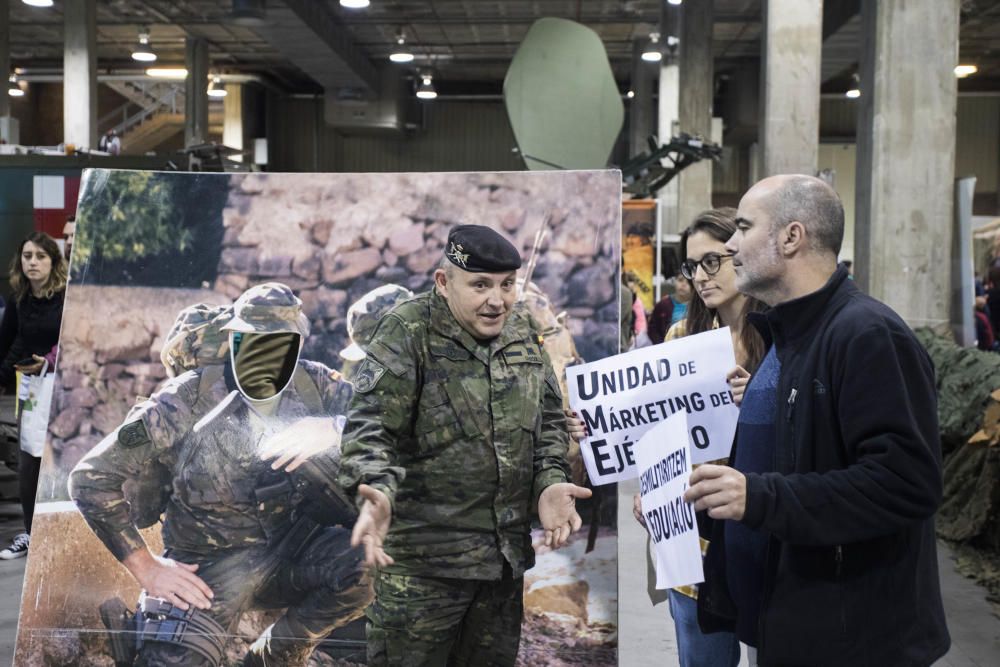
[(992, 307), (626, 316), (639, 313), (671, 309), (69, 234), (28, 332), (824, 540)]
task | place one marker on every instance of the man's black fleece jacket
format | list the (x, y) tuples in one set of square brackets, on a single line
[(852, 576)]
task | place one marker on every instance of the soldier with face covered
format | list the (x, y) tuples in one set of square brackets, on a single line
[(253, 450), (454, 436)]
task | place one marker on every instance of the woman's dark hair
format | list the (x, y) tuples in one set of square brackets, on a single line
[(57, 278), (720, 224)]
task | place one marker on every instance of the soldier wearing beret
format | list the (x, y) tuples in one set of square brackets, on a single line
[(454, 435)]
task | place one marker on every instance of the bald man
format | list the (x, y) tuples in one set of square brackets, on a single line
[(823, 549)]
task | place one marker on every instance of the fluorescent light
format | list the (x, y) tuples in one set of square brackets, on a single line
[(167, 72), (216, 89), (652, 54), (425, 90), (38, 3), (354, 4), (962, 71), (401, 54), (675, 2), (143, 52), (853, 93), (13, 89)]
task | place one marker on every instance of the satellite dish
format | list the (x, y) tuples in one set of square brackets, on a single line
[(561, 97)]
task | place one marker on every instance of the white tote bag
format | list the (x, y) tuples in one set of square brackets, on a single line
[(36, 391)]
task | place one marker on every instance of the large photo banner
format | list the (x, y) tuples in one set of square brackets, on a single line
[(164, 432)]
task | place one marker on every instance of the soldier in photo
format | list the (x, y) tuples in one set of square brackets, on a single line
[(454, 436), (362, 319), (252, 514)]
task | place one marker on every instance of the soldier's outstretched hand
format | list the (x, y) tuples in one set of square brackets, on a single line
[(305, 438), (557, 511), (373, 525), (170, 580)]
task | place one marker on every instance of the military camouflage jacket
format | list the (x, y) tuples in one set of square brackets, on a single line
[(223, 495), (461, 436)]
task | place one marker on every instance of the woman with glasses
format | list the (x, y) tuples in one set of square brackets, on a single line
[(717, 303)]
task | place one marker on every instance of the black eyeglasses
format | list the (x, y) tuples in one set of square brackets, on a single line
[(711, 263)]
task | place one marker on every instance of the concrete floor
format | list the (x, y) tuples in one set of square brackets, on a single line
[(646, 633), (11, 576)]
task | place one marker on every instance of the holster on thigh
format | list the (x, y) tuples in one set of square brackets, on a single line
[(158, 621)]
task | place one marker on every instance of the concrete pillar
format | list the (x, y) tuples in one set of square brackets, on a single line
[(4, 55), (232, 119), (640, 110), (667, 127), (906, 156), (668, 114), (790, 63), (697, 88), (80, 74), (196, 92)]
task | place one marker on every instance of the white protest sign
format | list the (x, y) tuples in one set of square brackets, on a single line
[(664, 462), (621, 397)]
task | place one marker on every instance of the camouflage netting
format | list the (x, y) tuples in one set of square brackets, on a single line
[(969, 412), (965, 379)]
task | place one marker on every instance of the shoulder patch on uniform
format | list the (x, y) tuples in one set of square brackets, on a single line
[(133, 434), (368, 375)]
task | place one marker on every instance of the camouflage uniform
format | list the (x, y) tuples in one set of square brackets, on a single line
[(242, 523), (477, 431)]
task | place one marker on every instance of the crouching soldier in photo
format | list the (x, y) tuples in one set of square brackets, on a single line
[(253, 517)]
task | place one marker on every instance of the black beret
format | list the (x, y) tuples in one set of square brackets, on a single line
[(479, 249)]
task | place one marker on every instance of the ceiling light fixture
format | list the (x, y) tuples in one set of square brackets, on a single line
[(425, 90), (13, 89), (401, 54), (962, 71), (38, 3), (143, 52), (652, 54), (354, 4), (855, 91), (167, 72), (675, 2), (216, 89)]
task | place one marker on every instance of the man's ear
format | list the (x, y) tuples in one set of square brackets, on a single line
[(792, 238), (441, 282)]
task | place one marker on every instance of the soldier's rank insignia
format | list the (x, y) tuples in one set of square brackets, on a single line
[(461, 258), (368, 375), (133, 434)]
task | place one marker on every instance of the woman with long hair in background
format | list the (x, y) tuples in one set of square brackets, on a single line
[(29, 334)]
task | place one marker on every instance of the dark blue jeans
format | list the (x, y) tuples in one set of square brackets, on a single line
[(696, 649)]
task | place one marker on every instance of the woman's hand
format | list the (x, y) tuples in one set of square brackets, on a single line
[(577, 429), (738, 378), (637, 510), (33, 368)]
